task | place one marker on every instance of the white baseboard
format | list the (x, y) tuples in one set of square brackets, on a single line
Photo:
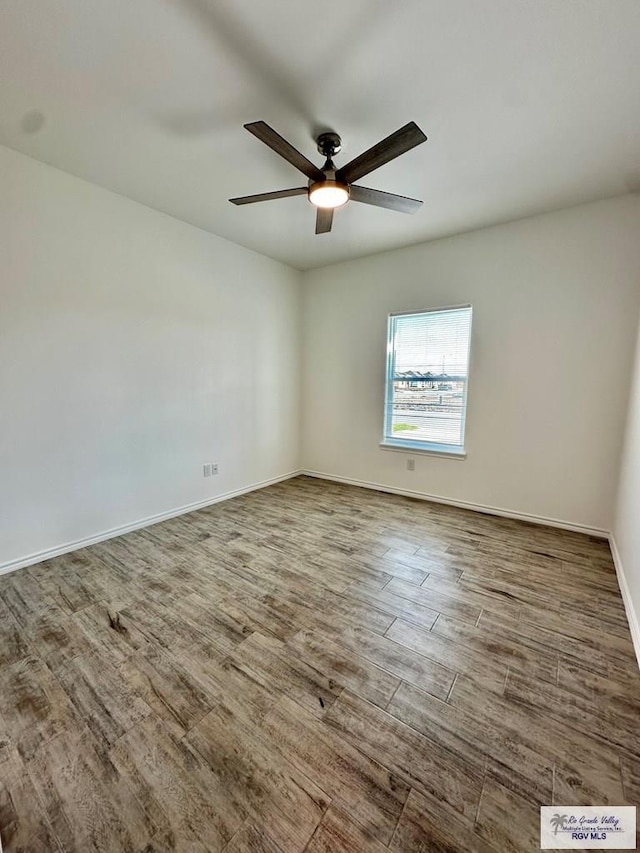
[(632, 616), (487, 510), (57, 550)]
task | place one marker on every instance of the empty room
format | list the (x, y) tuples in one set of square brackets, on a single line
[(319, 426)]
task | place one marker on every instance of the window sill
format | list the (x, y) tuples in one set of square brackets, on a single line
[(425, 449)]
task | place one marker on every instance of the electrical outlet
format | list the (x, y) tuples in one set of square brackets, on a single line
[(214, 468), (411, 464), (206, 470)]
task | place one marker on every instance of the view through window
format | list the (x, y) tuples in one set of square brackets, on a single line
[(427, 376)]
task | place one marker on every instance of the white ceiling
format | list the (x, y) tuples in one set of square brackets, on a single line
[(529, 105)]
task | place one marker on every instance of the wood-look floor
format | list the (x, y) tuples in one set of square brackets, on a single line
[(314, 667)]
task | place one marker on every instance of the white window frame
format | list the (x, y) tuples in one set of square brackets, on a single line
[(388, 442)]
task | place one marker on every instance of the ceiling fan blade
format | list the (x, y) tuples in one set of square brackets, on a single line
[(382, 199), (268, 135), (250, 199), (324, 220), (393, 146)]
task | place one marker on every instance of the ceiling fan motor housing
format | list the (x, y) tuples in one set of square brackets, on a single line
[(330, 192)]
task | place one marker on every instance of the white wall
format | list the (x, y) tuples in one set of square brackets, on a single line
[(555, 301), (626, 527), (133, 348)]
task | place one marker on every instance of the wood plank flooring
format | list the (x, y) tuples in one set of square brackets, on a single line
[(314, 667)]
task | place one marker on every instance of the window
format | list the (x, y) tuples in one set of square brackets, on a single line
[(427, 372)]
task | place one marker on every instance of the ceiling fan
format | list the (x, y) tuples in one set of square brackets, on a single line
[(329, 187)]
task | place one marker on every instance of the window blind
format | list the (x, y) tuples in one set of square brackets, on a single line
[(427, 378)]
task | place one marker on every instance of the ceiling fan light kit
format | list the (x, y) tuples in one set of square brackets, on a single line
[(328, 194), (329, 187)]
